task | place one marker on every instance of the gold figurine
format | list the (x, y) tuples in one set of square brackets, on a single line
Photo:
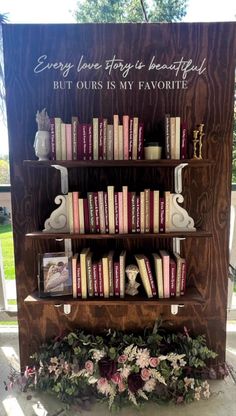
[(197, 142)]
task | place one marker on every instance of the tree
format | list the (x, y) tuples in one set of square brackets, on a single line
[(121, 11), (4, 172)]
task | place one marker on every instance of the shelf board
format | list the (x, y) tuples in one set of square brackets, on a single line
[(192, 297), (117, 163), (137, 236)]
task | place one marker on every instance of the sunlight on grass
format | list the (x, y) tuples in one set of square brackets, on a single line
[(12, 407), (7, 251)]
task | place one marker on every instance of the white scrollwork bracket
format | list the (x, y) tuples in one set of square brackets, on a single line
[(174, 309), (64, 178), (179, 218), (178, 177), (57, 222)]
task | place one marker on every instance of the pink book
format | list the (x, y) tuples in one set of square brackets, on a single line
[(116, 212), (79, 291), (100, 279), (183, 277), (75, 201), (131, 125), (140, 141), (172, 277), (95, 279), (125, 208), (166, 272), (150, 276), (117, 278), (52, 139), (68, 142), (126, 136), (120, 214), (84, 141)]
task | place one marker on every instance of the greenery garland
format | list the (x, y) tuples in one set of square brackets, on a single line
[(120, 368)]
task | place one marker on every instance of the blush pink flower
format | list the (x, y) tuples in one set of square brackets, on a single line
[(145, 374), (121, 387), (116, 378), (89, 366), (122, 358), (154, 361)]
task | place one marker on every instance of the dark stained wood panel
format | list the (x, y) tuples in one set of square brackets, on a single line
[(207, 99)]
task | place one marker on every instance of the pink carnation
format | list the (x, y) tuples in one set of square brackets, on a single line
[(116, 378), (121, 387), (154, 361), (145, 374), (89, 366), (122, 358)]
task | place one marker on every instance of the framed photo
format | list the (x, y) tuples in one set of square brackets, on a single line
[(55, 274)]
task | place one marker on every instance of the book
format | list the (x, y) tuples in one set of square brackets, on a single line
[(57, 121), (142, 212), (83, 266), (167, 199), (126, 136), (120, 143), (111, 272), (166, 272), (105, 274), (100, 279), (131, 126), (95, 138), (138, 213), (75, 202), (69, 209), (89, 273), (133, 212), (140, 154), (100, 138), (111, 209), (116, 136), (183, 277), (140, 259), (101, 212), (63, 141), (116, 212), (110, 143), (89, 137), (68, 142), (81, 216), (183, 141), (162, 215), (95, 279), (96, 212), (177, 137), (147, 210), (79, 290), (156, 204), (91, 211), (52, 138), (74, 262), (120, 213), (150, 276), (167, 137), (172, 277), (116, 276), (179, 260), (125, 208), (122, 273), (172, 138), (104, 146), (159, 274), (74, 137), (135, 139), (106, 212)]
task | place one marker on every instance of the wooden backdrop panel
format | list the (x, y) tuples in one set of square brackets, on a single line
[(207, 98)]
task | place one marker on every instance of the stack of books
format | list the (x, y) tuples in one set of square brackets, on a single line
[(175, 138)]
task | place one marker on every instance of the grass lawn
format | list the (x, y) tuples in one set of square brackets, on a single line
[(7, 251)]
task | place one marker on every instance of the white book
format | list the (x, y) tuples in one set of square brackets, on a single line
[(69, 203), (57, 121)]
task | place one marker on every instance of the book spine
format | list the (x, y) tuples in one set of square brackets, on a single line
[(167, 136), (57, 121), (131, 125), (89, 153), (74, 138), (142, 212), (167, 210), (120, 142), (100, 279), (91, 210), (147, 209), (116, 209), (135, 139), (89, 274), (116, 136), (126, 136), (101, 212), (177, 137), (52, 139), (111, 273), (172, 138), (120, 212), (172, 277), (79, 142), (183, 149), (95, 138), (75, 201), (162, 215), (125, 208), (100, 138), (68, 142), (150, 276), (133, 212), (111, 209), (116, 278), (81, 216), (84, 141), (63, 141), (96, 212), (110, 144), (105, 272), (104, 147), (106, 212), (95, 279), (86, 216), (156, 211), (183, 277), (129, 213), (138, 214), (151, 211), (79, 289), (140, 154)]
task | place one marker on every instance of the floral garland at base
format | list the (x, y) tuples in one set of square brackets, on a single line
[(121, 368)]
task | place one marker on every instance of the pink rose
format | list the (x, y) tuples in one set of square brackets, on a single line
[(121, 387), (122, 358), (145, 374), (102, 382), (116, 378), (89, 366), (154, 361)]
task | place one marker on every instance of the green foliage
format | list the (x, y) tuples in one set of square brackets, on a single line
[(120, 11), (7, 251), (4, 172), (122, 368)]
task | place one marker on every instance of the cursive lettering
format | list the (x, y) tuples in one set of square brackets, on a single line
[(43, 64)]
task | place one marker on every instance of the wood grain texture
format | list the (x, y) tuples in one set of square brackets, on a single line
[(208, 99)]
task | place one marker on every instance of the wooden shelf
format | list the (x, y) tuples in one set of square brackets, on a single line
[(192, 297), (138, 236), (117, 163)]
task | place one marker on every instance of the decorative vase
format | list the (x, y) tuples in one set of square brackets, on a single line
[(42, 146)]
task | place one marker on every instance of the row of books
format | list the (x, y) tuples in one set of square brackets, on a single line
[(120, 212), (86, 275), (176, 146), (97, 140)]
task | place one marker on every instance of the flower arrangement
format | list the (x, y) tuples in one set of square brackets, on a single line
[(121, 368)]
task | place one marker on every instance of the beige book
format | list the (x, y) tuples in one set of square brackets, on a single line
[(167, 210), (74, 261), (121, 143), (83, 267), (110, 272), (105, 273), (116, 136), (135, 139), (95, 138), (156, 202), (111, 209), (57, 121), (159, 274), (81, 216), (69, 206), (177, 137), (101, 210), (140, 258)]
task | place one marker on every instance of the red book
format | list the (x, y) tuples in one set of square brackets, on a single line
[(84, 141), (89, 136), (95, 279), (131, 126), (133, 212), (162, 215), (183, 277), (100, 279), (116, 204), (96, 212), (129, 213), (116, 278), (138, 214), (183, 143), (106, 211), (140, 141), (91, 210), (78, 271), (172, 277), (52, 139), (86, 216), (151, 211), (150, 276), (104, 145), (100, 138)]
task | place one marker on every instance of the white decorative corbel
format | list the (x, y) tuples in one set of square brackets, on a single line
[(176, 244), (175, 308), (57, 222), (178, 177), (179, 218), (64, 178), (67, 309)]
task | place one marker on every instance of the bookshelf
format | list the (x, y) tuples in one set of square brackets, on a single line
[(206, 182)]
